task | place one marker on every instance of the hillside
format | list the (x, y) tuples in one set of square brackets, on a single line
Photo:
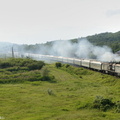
[(63, 93), (109, 39)]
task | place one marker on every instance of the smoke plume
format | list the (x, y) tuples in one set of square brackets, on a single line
[(83, 50)]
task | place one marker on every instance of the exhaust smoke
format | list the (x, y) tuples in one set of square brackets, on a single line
[(83, 50)]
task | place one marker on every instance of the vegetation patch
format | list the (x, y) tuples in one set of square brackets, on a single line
[(58, 64), (17, 70), (64, 93)]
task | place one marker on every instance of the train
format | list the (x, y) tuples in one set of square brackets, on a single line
[(112, 68)]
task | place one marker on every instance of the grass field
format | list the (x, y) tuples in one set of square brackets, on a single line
[(69, 97)]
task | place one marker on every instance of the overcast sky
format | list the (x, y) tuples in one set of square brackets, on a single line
[(39, 21)]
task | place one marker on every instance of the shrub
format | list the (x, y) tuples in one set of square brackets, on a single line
[(67, 65), (49, 78), (35, 65), (58, 64), (102, 104)]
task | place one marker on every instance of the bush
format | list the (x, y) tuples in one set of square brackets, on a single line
[(102, 104), (49, 78), (58, 64), (35, 65), (67, 65)]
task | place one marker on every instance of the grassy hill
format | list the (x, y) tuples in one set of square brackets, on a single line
[(57, 93)]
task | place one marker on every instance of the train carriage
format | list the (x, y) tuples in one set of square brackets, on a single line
[(60, 59), (96, 65), (50, 57), (105, 67), (86, 63), (65, 60), (70, 60), (41, 57), (55, 58), (46, 57), (78, 62)]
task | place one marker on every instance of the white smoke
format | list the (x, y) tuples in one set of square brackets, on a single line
[(63, 48), (84, 49)]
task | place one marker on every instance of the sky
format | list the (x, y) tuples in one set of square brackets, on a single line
[(40, 21)]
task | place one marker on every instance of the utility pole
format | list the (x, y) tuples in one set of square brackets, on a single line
[(12, 53)]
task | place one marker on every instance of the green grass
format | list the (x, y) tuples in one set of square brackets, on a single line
[(69, 98)]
